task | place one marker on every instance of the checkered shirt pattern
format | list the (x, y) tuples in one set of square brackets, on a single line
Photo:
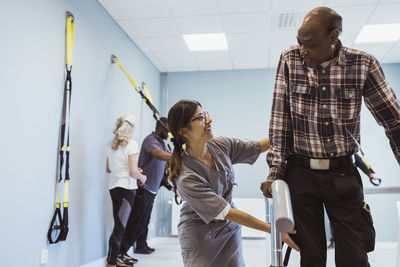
[(313, 107)]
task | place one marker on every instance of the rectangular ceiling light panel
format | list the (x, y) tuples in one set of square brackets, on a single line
[(378, 33), (206, 42)]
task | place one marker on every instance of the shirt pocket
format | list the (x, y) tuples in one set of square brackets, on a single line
[(348, 103), (303, 100)]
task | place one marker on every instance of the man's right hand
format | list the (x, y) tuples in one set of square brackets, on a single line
[(143, 180), (265, 187)]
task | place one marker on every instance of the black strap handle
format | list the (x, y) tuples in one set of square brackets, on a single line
[(54, 227)]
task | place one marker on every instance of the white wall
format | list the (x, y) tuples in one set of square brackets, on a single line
[(32, 76)]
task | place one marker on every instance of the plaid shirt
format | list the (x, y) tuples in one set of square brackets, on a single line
[(313, 107)]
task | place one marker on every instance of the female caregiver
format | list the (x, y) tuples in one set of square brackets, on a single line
[(209, 228)]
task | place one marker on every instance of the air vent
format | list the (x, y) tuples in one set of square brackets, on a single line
[(289, 20)]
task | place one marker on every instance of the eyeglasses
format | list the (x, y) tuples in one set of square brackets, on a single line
[(201, 117)]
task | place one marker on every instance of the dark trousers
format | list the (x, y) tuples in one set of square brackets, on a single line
[(341, 192), (138, 220), (122, 201)]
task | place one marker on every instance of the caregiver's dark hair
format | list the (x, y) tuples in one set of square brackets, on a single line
[(179, 117)]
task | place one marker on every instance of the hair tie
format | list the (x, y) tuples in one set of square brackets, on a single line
[(177, 145)]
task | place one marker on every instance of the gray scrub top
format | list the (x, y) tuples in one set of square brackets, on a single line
[(204, 240)]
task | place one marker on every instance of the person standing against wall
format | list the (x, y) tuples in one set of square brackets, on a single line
[(317, 100), (152, 160), (122, 166)]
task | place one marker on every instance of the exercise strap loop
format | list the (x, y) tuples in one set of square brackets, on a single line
[(58, 229)]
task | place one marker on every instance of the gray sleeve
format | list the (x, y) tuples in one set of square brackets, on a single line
[(201, 198), (239, 151)]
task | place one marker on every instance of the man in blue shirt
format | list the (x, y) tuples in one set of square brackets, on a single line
[(152, 160)]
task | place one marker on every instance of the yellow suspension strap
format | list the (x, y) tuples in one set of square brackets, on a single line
[(145, 96), (58, 229), (374, 181), (149, 101)]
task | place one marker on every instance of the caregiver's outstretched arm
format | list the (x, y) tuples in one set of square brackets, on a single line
[(243, 218), (264, 144)]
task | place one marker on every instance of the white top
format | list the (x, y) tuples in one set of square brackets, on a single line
[(119, 165)]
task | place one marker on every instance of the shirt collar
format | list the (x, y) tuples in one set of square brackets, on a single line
[(341, 57), (339, 60)]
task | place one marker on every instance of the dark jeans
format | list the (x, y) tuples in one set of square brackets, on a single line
[(122, 201), (341, 192), (138, 220)]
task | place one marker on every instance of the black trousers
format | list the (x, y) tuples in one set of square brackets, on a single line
[(122, 201), (138, 220), (341, 192)]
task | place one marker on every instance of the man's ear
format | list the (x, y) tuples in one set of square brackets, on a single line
[(334, 36)]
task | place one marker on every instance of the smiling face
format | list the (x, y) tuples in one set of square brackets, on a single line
[(315, 41), (200, 127)]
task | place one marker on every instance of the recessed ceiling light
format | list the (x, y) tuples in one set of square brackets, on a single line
[(206, 42), (377, 33)]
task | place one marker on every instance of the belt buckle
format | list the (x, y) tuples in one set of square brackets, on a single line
[(319, 164)]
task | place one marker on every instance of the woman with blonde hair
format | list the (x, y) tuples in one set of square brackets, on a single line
[(124, 174), (209, 228)]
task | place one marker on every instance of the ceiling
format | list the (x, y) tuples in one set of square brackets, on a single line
[(257, 30)]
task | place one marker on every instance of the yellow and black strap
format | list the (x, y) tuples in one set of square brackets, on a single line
[(58, 229), (149, 101), (145, 96)]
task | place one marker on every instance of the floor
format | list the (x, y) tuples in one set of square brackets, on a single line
[(255, 251)]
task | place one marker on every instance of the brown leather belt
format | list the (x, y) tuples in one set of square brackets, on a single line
[(321, 164)]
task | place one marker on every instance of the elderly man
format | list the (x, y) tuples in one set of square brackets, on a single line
[(315, 111)]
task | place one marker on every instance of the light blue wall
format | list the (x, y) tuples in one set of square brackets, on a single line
[(32, 77), (239, 102)]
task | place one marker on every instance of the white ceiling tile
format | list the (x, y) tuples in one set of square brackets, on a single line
[(249, 51), (354, 19), (200, 24), (213, 60), (286, 39), (250, 23), (252, 27), (141, 45), (279, 6), (379, 50), (125, 25), (388, 13), (158, 27), (241, 6), (111, 9), (166, 44), (192, 7), (156, 62), (173, 68), (393, 56), (334, 3), (142, 9), (287, 20), (175, 59)]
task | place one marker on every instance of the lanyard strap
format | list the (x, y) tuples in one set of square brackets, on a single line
[(58, 229), (373, 180)]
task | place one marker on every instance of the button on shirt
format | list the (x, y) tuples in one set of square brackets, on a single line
[(313, 105)]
